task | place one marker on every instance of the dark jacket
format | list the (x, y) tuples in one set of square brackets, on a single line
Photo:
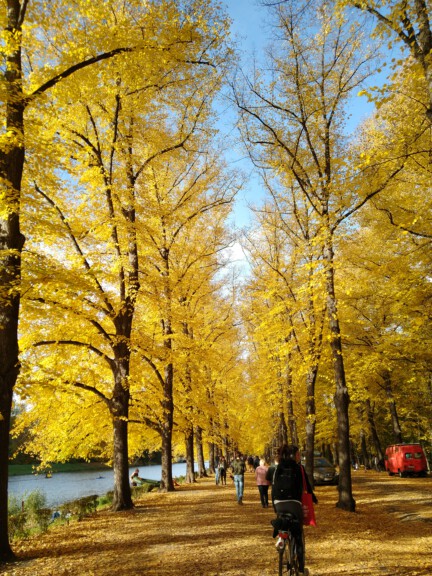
[(238, 467), (298, 480)]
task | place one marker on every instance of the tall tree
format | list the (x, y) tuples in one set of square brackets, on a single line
[(187, 201), (57, 48), (19, 94), (295, 125), (384, 263), (295, 258)]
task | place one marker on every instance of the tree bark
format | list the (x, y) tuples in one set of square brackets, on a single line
[(292, 425), (119, 406), (211, 453), (375, 438), (202, 473), (190, 460), (122, 492), (365, 455), (282, 430), (11, 245), (341, 397), (310, 420), (167, 484), (7, 382), (397, 432)]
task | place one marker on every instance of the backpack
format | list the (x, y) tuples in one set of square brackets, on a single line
[(285, 484)]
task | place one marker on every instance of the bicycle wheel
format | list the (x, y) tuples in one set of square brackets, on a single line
[(293, 560), (284, 559)]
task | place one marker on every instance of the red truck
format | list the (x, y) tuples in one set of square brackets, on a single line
[(405, 459)]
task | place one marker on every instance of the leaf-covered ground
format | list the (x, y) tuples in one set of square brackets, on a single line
[(201, 530)]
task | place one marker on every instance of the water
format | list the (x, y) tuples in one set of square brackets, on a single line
[(66, 486)]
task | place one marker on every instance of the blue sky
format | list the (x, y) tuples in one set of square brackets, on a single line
[(248, 19), (251, 29), (247, 26)]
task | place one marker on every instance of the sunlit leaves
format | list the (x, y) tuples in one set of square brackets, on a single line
[(99, 145)]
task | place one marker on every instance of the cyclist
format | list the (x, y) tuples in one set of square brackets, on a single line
[(287, 488)]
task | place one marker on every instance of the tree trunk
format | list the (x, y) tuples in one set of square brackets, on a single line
[(375, 438), (189, 433), (292, 425), (397, 432), (167, 484), (122, 493), (120, 411), (310, 420), (7, 383), (226, 448), (314, 352), (11, 245), (364, 451), (282, 430), (341, 397), (190, 460), (211, 453), (200, 453)]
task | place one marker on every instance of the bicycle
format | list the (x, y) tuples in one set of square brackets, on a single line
[(286, 544)]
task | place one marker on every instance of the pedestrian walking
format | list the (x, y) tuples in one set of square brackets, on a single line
[(222, 466), (262, 483), (238, 469)]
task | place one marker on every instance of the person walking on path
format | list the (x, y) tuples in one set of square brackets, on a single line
[(222, 470), (250, 463), (217, 471), (262, 483), (238, 468)]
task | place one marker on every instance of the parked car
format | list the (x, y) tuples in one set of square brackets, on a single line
[(405, 459), (324, 471)]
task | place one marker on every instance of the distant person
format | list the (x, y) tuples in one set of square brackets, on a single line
[(287, 489), (135, 478), (222, 466), (238, 468), (250, 463), (262, 483), (271, 470), (217, 472), (256, 462)]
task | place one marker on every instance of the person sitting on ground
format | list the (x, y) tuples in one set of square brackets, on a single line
[(287, 488), (135, 478)]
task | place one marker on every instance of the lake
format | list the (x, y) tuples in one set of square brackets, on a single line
[(66, 486)]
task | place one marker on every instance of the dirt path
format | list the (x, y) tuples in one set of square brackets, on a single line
[(201, 531)]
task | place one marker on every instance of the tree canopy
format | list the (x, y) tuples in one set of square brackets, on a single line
[(125, 327)]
